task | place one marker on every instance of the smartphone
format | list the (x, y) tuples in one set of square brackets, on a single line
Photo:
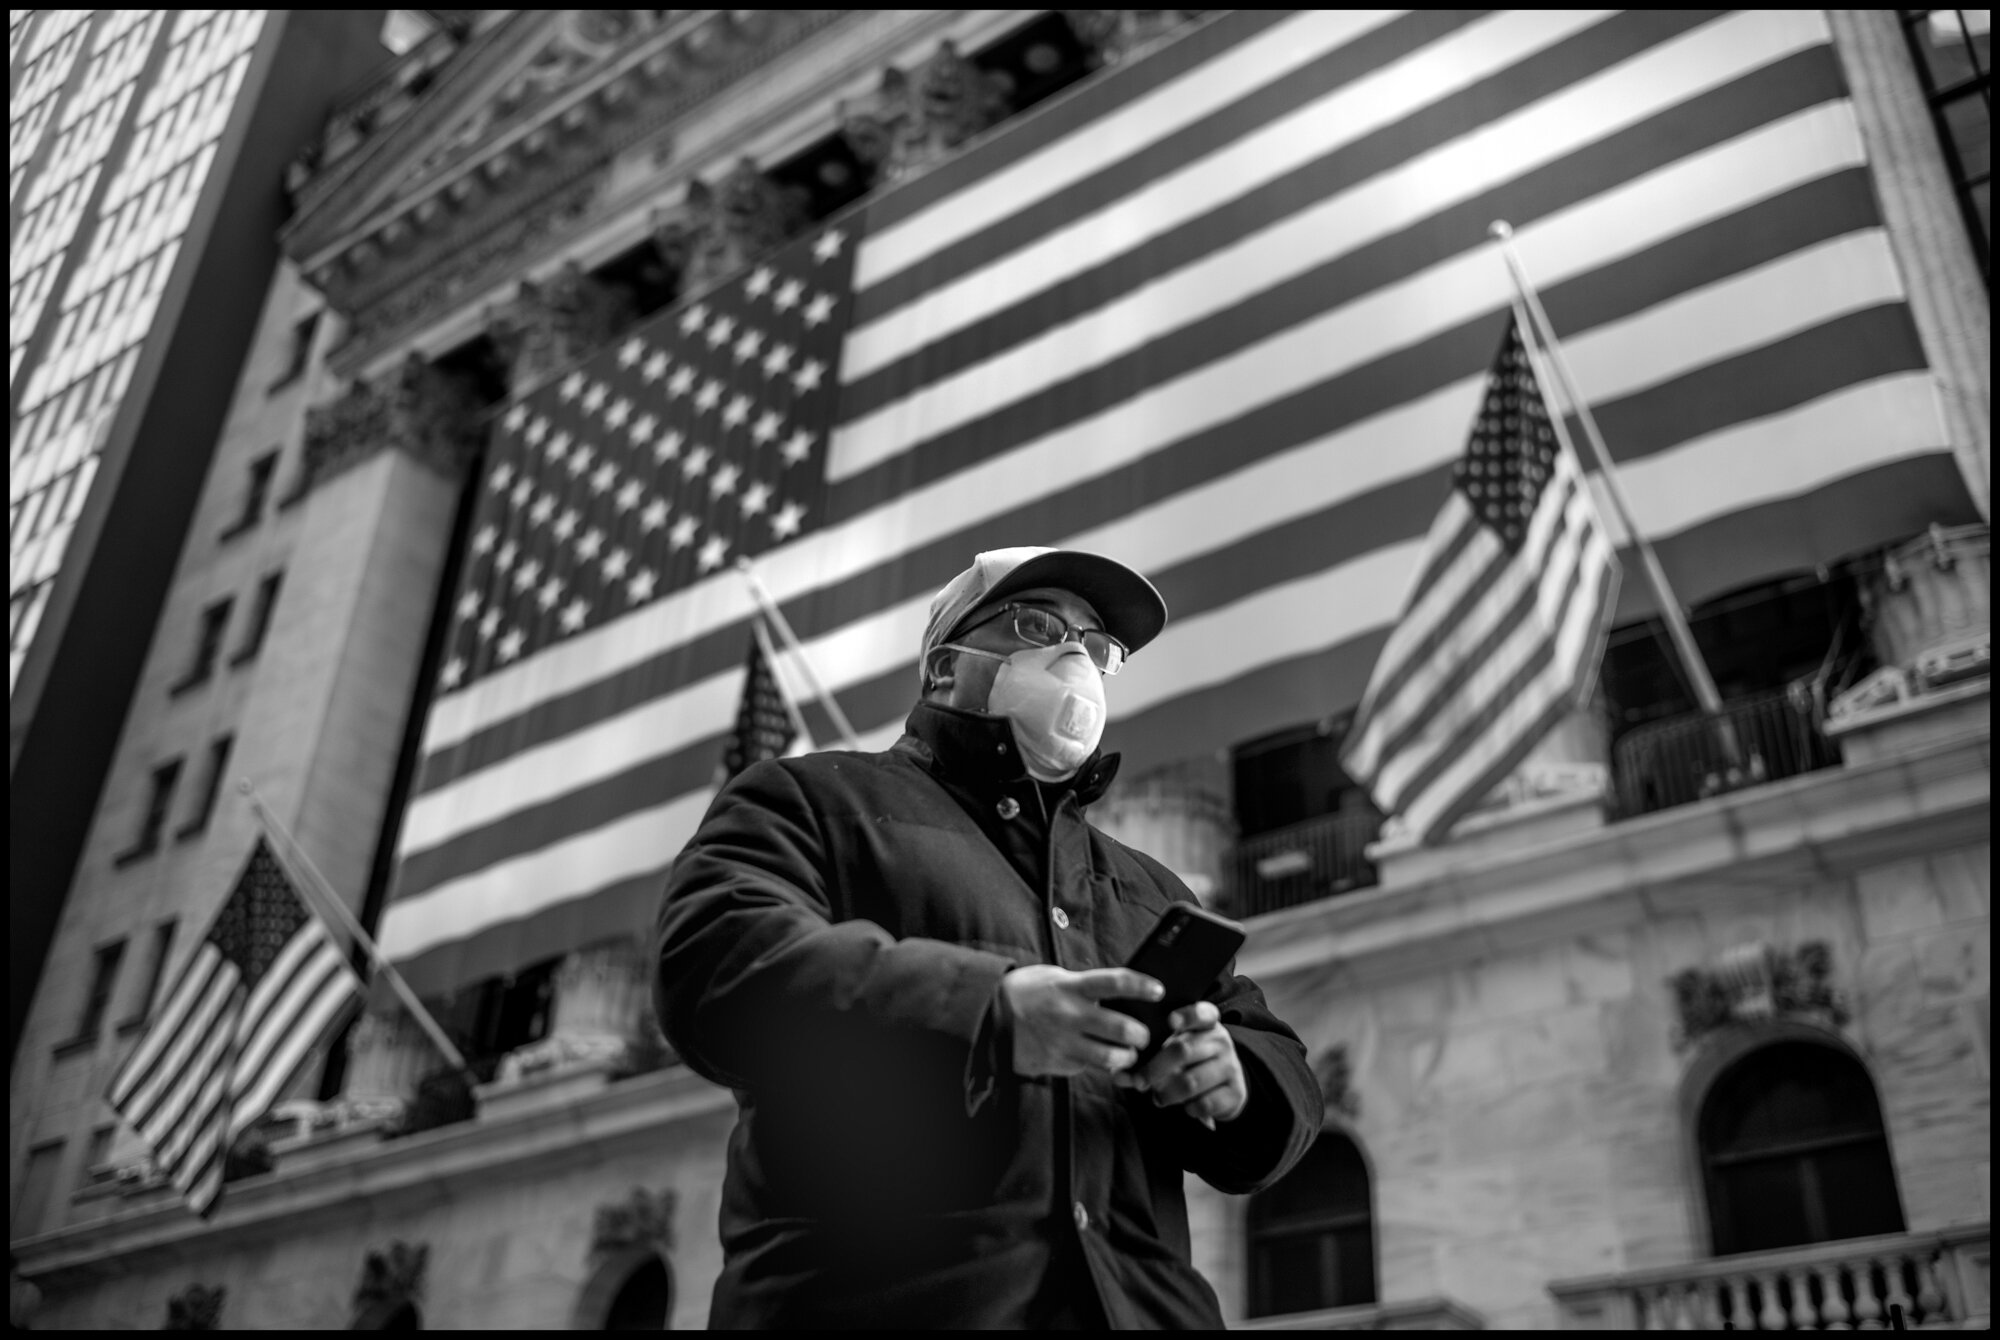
[(1185, 952)]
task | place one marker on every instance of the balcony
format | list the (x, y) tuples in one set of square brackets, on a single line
[(1689, 758), (1322, 857), (1903, 1281)]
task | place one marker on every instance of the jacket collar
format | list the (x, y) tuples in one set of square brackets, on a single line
[(977, 748)]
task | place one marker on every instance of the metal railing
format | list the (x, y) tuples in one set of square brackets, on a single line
[(1688, 758), (1896, 1282), (1320, 858)]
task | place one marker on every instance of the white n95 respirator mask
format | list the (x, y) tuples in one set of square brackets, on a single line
[(1053, 697)]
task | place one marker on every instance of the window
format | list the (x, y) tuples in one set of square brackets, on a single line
[(643, 1300), (1312, 1237), (1954, 58), (37, 1188), (208, 645), (500, 1014), (300, 353), (103, 979), (156, 967), (261, 471), (218, 763), (1793, 1152), (1305, 824), (260, 618), (157, 806), (95, 1156), (1037, 60)]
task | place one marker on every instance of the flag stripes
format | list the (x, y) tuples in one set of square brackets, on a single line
[(1246, 376), (265, 986)]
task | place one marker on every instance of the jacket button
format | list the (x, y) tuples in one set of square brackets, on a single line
[(1061, 918), (1082, 1217), (999, 748), (1008, 807)]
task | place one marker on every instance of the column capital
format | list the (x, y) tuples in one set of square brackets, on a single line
[(555, 321), (721, 228), (419, 409), (913, 120), (1114, 34)]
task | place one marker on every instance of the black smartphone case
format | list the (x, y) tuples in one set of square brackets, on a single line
[(1186, 950)]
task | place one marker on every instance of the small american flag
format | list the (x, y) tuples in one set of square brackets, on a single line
[(694, 441), (767, 721), (263, 987), (1504, 630)]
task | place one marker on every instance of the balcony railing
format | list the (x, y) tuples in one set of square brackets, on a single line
[(1319, 858), (1894, 1282), (1693, 757)]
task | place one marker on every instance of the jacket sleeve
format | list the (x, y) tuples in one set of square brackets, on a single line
[(754, 982)]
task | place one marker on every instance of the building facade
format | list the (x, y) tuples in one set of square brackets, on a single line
[(143, 147), (1689, 1023)]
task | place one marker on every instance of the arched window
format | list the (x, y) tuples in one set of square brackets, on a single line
[(1312, 1236), (643, 1299), (1793, 1151)]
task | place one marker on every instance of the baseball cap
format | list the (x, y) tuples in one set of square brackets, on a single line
[(1129, 605)]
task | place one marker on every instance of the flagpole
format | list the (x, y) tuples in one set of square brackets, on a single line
[(784, 689), (769, 606), (322, 895), (1677, 625)]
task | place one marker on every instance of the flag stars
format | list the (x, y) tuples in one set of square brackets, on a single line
[(656, 367), (606, 476), (631, 352), (572, 386), (653, 516), (725, 479), (760, 281), (567, 523), (527, 575), (693, 319), (544, 508), (669, 446), (581, 458), (640, 588), (454, 672), (808, 375), (696, 462), (629, 494), (574, 614), (593, 399), (643, 429), (524, 489), (489, 624), (505, 558), (768, 424), (681, 382), (720, 330), (737, 412), (777, 360), (714, 550), (558, 448), (485, 538), (818, 310), (592, 541), (709, 396), (502, 476), (510, 645), (468, 606), (615, 563), (551, 593), (538, 428), (788, 295), (748, 345), (683, 533), (786, 523), (620, 411), (516, 417), (797, 447), (756, 498), (828, 245)]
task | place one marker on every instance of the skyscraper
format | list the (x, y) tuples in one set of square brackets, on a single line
[(145, 150)]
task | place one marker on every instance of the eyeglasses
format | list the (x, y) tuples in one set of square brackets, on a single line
[(1039, 627)]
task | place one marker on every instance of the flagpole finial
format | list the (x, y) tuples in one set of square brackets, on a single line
[(1501, 229)]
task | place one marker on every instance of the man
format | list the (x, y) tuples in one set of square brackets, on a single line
[(900, 960)]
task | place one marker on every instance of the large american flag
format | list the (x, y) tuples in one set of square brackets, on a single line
[(1503, 632), (1222, 312), (260, 991)]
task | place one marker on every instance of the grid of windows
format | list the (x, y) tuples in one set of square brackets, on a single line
[(1954, 56), (102, 216)]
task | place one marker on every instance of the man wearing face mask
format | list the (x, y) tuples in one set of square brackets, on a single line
[(899, 962)]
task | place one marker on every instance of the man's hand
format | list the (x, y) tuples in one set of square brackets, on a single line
[(1197, 1070), (1061, 1029)]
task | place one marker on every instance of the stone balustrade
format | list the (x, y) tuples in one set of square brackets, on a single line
[(1893, 1282)]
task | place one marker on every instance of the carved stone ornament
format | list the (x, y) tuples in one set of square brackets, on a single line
[(196, 1308), (1115, 34), (1930, 617), (418, 409), (643, 1219), (555, 321), (391, 1280), (1756, 982), (601, 1001), (1335, 1079), (915, 120), (722, 228)]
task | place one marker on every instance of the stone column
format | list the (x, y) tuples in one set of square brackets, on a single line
[(914, 120), (387, 1055), (1116, 34), (1180, 816), (555, 321), (1930, 617), (598, 1017), (719, 229)]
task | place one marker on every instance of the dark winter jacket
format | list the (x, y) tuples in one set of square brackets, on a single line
[(831, 946)]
